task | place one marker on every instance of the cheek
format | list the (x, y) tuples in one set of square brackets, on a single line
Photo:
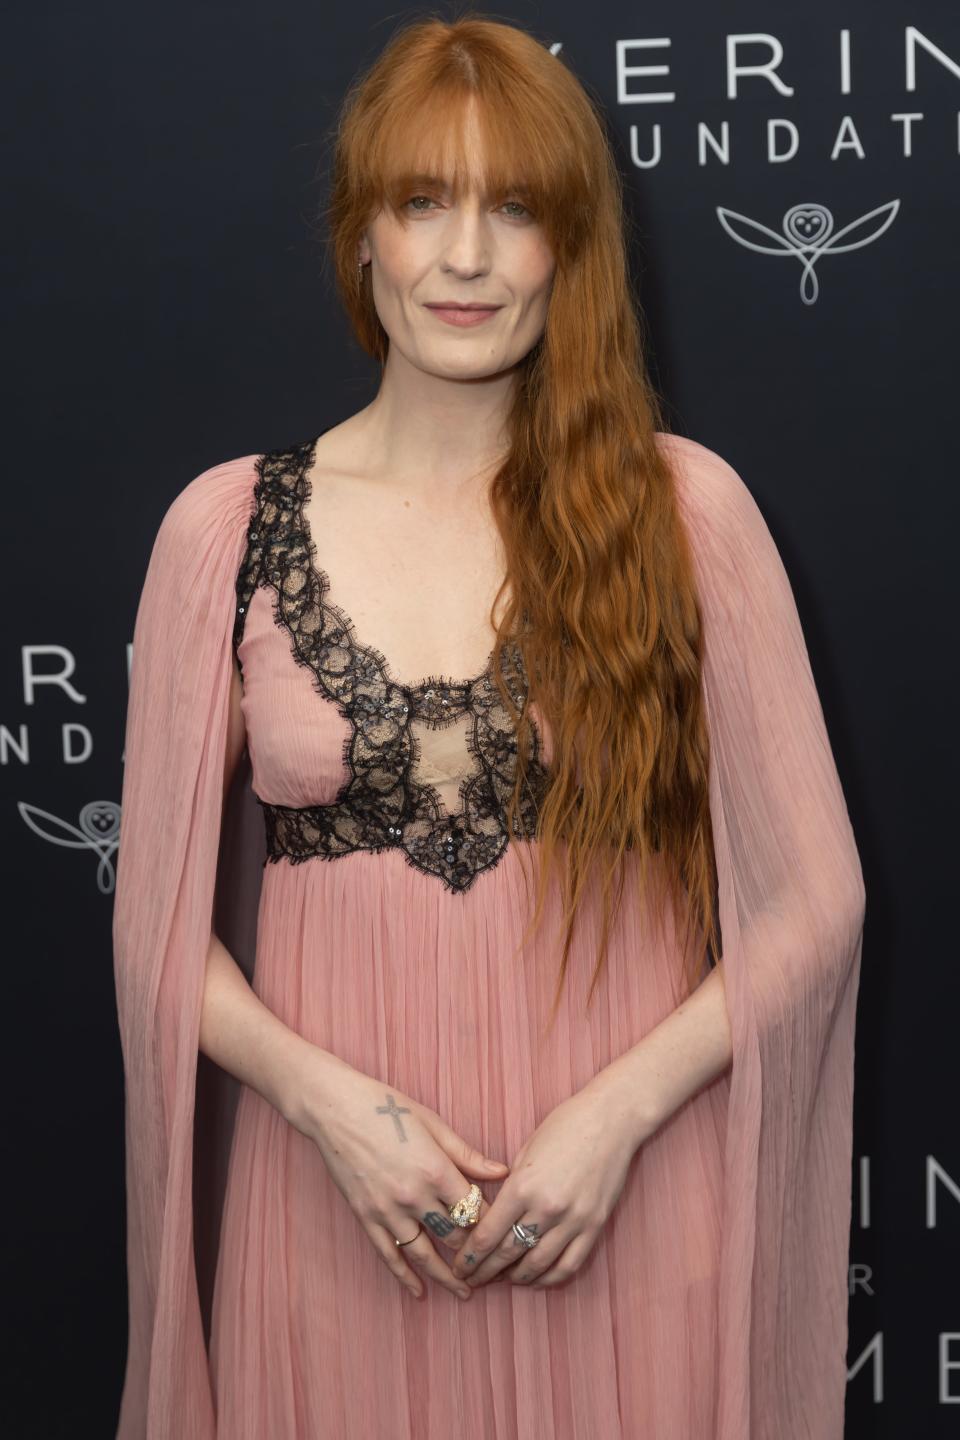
[(395, 274), (538, 298), (400, 261), (540, 269), (542, 257)]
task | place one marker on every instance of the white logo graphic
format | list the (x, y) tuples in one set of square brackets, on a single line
[(99, 831), (808, 235)]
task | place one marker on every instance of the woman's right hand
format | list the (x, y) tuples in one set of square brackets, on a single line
[(395, 1161)]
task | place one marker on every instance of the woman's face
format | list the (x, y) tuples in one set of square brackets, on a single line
[(474, 251)]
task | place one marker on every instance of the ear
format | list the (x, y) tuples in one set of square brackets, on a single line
[(363, 250)]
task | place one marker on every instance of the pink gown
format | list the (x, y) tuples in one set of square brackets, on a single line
[(389, 910), (400, 961)]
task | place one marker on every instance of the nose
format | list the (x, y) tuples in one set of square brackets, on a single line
[(466, 248)]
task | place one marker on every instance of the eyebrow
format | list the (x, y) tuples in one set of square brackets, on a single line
[(422, 177), (411, 179)]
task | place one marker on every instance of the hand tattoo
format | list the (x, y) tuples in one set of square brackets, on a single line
[(391, 1109)]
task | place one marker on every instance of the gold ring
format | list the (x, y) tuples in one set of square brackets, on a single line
[(466, 1212), (412, 1238)]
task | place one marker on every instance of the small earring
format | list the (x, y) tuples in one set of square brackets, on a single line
[(359, 275)]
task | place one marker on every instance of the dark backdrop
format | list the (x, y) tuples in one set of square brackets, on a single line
[(167, 308)]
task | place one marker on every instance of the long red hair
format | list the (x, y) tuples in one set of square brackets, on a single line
[(597, 561)]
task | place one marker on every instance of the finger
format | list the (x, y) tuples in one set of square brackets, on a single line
[(490, 1230), (422, 1255), (464, 1155), (493, 1244), (554, 1269), (510, 1251), (438, 1220), (540, 1258), (394, 1257)]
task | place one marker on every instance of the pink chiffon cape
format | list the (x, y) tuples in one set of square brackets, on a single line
[(791, 903)]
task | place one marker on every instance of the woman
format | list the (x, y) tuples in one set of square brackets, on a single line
[(558, 938)]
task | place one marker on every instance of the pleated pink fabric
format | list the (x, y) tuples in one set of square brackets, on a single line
[(714, 1305)]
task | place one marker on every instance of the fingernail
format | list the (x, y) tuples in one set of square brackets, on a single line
[(465, 1293)]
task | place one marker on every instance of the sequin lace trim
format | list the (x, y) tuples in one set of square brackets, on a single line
[(383, 803)]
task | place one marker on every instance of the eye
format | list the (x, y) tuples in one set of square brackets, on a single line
[(417, 210), (527, 214), (412, 204)]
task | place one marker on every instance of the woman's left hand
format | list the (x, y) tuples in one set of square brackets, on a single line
[(563, 1183)]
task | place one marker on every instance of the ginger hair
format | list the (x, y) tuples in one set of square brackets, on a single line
[(598, 565)]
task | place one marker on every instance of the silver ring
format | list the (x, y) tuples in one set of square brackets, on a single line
[(525, 1236)]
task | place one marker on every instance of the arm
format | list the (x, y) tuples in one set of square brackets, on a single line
[(241, 1035), (796, 901), (237, 1031), (685, 1052)]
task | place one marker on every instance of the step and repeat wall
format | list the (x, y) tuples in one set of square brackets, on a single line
[(792, 183)]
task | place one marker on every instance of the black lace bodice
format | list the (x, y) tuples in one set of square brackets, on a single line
[(384, 802)]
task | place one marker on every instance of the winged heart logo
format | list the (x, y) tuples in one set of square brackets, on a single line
[(806, 235), (97, 829)]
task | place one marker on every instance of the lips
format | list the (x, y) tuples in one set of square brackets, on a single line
[(462, 315), (459, 305)]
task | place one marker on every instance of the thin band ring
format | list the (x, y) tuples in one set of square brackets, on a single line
[(525, 1236)]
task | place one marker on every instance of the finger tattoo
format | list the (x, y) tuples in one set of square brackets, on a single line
[(439, 1224)]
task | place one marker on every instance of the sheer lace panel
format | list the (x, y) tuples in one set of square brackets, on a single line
[(430, 765)]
